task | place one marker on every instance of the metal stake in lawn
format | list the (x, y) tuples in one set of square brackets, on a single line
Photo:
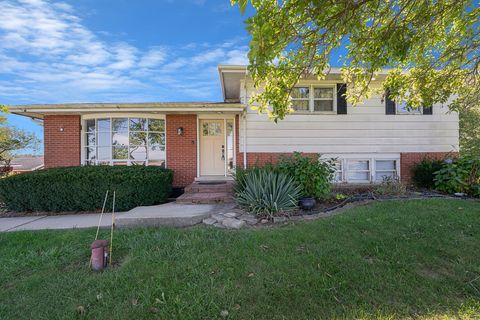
[(98, 260), (96, 235), (113, 226)]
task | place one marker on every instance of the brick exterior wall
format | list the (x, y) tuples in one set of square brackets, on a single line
[(408, 161), (61, 140), (182, 150)]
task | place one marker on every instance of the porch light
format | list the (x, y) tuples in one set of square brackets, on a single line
[(180, 131)]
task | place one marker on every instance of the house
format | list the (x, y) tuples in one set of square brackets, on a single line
[(20, 164), (202, 140)]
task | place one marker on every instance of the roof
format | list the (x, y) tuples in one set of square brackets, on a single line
[(40, 110), (231, 76), (26, 163)]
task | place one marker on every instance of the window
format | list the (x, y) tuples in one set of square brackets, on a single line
[(301, 99), (358, 170), (323, 99), (125, 141), (385, 169), (338, 175), (230, 146), (313, 99), (402, 108), (365, 169)]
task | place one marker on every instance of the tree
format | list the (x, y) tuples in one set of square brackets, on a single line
[(12, 139), (436, 41), (470, 130)]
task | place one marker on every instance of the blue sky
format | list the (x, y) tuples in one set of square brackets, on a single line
[(115, 51)]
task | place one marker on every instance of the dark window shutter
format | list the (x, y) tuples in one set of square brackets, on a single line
[(428, 110), (341, 99), (389, 104)]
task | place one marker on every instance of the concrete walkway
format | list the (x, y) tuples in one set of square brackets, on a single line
[(169, 214), (73, 221)]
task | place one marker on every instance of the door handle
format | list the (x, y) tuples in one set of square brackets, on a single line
[(223, 152)]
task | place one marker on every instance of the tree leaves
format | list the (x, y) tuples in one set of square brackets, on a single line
[(431, 48)]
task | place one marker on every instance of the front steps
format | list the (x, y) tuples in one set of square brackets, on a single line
[(208, 192)]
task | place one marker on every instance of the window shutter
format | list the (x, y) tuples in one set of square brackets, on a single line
[(389, 104), (428, 110), (341, 99)]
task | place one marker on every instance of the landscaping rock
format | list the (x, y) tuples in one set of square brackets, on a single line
[(279, 219), (232, 214), (248, 218), (232, 223), (209, 221), (219, 225), (218, 216), (263, 221)]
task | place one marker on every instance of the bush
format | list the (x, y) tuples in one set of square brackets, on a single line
[(390, 186), (83, 188), (313, 175), (423, 173), (265, 192), (460, 175)]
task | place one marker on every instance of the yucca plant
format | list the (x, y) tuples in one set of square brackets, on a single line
[(266, 193)]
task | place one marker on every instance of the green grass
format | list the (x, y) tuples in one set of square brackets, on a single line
[(389, 260)]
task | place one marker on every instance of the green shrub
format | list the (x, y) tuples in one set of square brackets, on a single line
[(83, 188), (241, 174), (460, 175), (312, 174), (423, 173), (265, 192)]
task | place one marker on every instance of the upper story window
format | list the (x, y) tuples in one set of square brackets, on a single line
[(402, 108), (301, 98), (313, 99), (125, 141)]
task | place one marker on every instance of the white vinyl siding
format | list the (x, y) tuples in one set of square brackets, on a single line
[(364, 129)]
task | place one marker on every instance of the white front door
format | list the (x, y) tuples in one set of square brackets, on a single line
[(212, 148)]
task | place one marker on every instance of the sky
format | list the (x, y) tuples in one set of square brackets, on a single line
[(115, 51)]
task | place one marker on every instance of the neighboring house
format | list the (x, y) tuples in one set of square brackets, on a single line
[(208, 140), (21, 164)]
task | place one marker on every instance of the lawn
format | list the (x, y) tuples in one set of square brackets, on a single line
[(388, 260)]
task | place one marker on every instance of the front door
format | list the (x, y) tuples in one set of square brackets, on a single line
[(212, 148)]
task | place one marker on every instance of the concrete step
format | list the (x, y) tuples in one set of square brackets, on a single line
[(206, 198), (198, 187), (170, 214)]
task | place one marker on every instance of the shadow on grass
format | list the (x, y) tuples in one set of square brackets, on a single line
[(386, 260)]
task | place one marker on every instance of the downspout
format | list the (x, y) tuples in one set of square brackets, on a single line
[(245, 111), (244, 138)]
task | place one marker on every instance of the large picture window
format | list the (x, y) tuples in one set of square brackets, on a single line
[(125, 141)]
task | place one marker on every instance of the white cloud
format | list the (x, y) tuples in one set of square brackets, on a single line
[(153, 58), (47, 55)]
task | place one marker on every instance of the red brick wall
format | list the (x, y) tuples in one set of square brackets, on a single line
[(408, 161), (182, 150), (62, 148)]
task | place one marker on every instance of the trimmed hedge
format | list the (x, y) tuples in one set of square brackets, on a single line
[(83, 188)]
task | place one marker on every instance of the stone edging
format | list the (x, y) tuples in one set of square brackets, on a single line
[(236, 220)]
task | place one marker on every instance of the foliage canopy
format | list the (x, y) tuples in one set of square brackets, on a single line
[(436, 40)]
